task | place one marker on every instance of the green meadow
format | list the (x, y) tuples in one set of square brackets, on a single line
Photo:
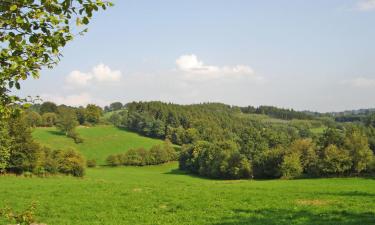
[(99, 142), (165, 195)]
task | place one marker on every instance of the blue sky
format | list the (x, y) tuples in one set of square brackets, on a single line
[(316, 55)]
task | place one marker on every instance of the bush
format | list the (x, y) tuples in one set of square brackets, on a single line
[(75, 136), (114, 160), (158, 155), (141, 157), (71, 162), (133, 157), (91, 163)]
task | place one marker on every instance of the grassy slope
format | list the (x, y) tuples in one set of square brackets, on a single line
[(99, 142), (163, 195)]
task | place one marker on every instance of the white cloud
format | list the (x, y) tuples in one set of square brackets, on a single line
[(366, 5), (99, 74), (102, 72), (72, 100), (361, 82), (196, 70), (78, 78)]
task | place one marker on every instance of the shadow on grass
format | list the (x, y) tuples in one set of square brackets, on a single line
[(350, 194), (186, 173), (55, 132), (286, 217)]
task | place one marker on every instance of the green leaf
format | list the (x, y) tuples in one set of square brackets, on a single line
[(13, 8), (85, 20)]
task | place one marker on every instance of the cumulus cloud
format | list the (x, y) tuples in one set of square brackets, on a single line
[(72, 100), (99, 74), (361, 82), (102, 72), (195, 69), (78, 78), (366, 5)]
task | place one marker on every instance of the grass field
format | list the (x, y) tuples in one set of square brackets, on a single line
[(164, 195), (99, 142)]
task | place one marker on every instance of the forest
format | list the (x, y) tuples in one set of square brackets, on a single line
[(217, 140)]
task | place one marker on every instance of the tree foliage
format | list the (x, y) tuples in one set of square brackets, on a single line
[(32, 34)]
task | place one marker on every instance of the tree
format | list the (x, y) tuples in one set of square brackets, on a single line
[(49, 119), (269, 164), (93, 113), (356, 143), (115, 106), (335, 161), (32, 34), (307, 151), (71, 162), (4, 147), (33, 119), (291, 166), (48, 107), (81, 115), (66, 120), (24, 151)]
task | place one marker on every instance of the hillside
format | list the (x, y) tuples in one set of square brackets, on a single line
[(99, 141)]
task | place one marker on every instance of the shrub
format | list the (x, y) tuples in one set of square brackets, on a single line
[(75, 136), (91, 163), (114, 160), (25, 217), (133, 157), (158, 155), (71, 162), (140, 157)]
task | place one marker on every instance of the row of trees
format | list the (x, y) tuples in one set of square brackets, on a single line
[(219, 142), (65, 118), (285, 114), (20, 154), (335, 153), (47, 114), (157, 154)]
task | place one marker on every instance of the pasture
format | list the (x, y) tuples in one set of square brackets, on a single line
[(165, 195)]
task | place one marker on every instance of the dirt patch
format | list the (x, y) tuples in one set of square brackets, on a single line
[(137, 189), (313, 202)]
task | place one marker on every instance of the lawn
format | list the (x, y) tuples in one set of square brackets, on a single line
[(99, 142), (165, 195)]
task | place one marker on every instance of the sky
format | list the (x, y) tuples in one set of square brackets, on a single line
[(308, 55)]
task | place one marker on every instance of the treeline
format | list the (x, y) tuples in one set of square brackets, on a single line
[(65, 118), (20, 154), (335, 153), (218, 142), (49, 114), (157, 154), (279, 113)]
